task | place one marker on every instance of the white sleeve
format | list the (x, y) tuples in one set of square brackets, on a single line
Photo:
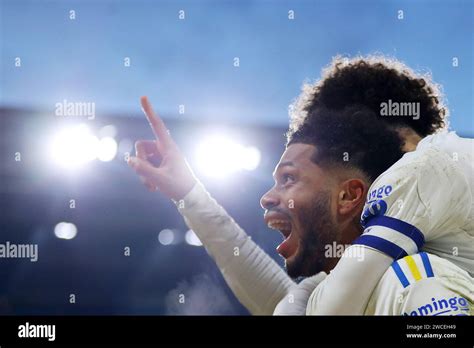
[(296, 301), (255, 278), (347, 289)]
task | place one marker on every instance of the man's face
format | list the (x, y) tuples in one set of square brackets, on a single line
[(302, 206)]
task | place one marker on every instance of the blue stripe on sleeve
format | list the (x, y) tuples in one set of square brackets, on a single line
[(427, 264), (400, 226), (400, 274), (381, 244)]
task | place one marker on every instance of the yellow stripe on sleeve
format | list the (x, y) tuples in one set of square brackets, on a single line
[(413, 267)]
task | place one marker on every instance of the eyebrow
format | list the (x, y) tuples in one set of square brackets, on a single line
[(283, 164)]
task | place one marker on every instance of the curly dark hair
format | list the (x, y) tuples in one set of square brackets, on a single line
[(342, 112), (343, 139)]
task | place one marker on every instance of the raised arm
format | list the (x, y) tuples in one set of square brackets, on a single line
[(254, 277)]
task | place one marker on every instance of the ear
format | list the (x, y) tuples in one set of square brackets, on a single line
[(351, 197)]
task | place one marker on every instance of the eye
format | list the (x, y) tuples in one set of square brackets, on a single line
[(286, 178)]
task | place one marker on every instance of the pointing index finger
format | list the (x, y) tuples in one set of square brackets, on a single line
[(156, 122)]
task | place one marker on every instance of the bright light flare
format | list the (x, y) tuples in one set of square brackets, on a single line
[(106, 149), (73, 147), (166, 237), (250, 158), (219, 156)]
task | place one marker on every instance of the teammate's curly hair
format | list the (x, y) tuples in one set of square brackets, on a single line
[(341, 112)]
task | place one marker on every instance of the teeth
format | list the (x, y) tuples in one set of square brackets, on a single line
[(281, 225)]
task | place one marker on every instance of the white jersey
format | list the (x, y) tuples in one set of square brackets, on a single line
[(425, 202), (422, 285)]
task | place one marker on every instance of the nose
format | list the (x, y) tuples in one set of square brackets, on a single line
[(269, 200)]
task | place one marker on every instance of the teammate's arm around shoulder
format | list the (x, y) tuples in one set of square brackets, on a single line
[(421, 198)]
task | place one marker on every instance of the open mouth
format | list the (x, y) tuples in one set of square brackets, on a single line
[(281, 225), (288, 247)]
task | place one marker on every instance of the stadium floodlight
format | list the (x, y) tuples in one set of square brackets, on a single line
[(106, 149), (219, 156), (72, 147)]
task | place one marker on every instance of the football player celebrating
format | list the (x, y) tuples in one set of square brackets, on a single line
[(338, 145)]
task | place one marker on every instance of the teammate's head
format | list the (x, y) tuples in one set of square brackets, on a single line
[(374, 81), (338, 143)]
